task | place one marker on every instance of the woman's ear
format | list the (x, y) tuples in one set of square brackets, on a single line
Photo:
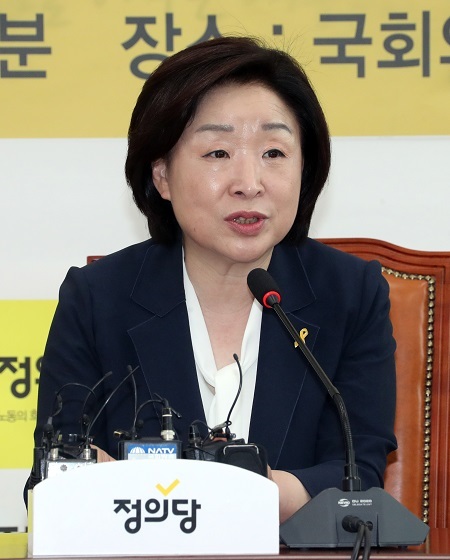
[(159, 172)]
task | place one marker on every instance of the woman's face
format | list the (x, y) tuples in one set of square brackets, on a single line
[(234, 176)]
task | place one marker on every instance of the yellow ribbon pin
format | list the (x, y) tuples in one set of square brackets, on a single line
[(303, 334)]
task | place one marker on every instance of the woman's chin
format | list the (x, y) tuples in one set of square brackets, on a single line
[(246, 255)]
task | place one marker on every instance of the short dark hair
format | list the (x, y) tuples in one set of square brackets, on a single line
[(170, 97)]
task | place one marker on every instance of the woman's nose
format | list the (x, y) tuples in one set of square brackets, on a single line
[(247, 178)]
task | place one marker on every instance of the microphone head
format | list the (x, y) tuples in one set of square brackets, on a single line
[(263, 287)]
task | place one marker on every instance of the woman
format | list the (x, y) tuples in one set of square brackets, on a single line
[(228, 153)]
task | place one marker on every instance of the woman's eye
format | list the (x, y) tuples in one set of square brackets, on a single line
[(218, 154), (274, 153)]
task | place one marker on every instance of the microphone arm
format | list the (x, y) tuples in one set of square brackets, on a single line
[(351, 480), (265, 290), (323, 521)]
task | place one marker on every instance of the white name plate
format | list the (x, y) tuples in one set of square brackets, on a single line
[(131, 508)]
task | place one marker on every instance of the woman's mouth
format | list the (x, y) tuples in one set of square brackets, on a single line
[(247, 223)]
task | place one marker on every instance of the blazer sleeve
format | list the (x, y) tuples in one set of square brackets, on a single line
[(365, 377), (70, 364)]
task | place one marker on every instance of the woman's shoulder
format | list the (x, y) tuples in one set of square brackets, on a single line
[(128, 254), (123, 267), (130, 260), (323, 259), (333, 270), (343, 274), (314, 248)]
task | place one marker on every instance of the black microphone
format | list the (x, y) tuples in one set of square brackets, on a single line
[(265, 290), (322, 522)]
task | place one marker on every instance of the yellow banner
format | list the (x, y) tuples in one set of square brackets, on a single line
[(74, 69), (24, 328)]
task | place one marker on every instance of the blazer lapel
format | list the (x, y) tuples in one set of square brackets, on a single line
[(163, 342), (281, 367)]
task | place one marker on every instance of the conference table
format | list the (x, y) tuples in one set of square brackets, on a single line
[(437, 546)]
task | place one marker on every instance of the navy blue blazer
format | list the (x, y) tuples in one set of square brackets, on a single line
[(129, 309)]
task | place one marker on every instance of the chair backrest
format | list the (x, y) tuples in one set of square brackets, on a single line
[(418, 472)]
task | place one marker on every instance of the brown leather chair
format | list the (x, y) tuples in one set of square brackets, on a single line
[(418, 472)]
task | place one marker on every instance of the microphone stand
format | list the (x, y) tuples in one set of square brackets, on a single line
[(328, 519), (351, 480)]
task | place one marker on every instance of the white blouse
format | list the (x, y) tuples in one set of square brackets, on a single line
[(218, 388)]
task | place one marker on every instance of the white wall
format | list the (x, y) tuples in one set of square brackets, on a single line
[(391, 188)]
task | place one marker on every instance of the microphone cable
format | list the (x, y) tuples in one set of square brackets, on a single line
[(363, 530), (84, 419), (58, 397), (363, 535), (228, 421), (196, 441), (102, 408), (213, 432)]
